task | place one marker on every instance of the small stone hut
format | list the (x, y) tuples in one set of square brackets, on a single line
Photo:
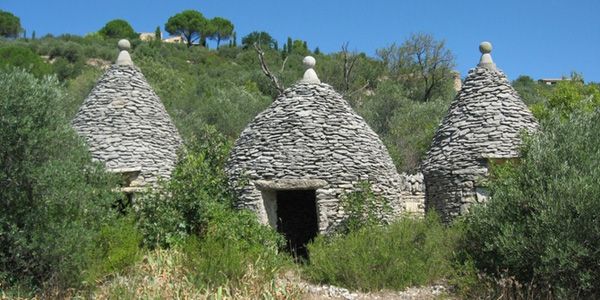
[(126, 126), (483, 125), (296, 159)]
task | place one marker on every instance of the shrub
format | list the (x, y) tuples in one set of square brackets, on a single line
[(406, 253), (233, 242), (23, 57), (117, 247), (363, 209), (542, 225), (54, 198)]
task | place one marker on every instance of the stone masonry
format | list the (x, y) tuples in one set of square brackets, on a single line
[(484, 124), (310, 138), (126, 126)]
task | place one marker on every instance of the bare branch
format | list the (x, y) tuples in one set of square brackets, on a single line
[(266, 71), (283, 64), (349, 61)]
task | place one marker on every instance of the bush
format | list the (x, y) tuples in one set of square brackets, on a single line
[(406, 253), (233, 242), (542, 225), (363, 209), (194, 212), (180, 207), (23, 57), (54, 198), (117, 247)]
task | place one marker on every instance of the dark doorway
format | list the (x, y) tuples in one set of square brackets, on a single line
[(297, 219)]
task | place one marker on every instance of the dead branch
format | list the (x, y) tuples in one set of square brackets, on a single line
[(358, 90), (349, 61), (265, 69), (283, 64)]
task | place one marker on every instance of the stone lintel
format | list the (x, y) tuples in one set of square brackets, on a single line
[(290, 184), (125, 170)]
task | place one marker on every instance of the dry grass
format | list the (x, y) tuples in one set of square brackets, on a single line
[(162, 275)]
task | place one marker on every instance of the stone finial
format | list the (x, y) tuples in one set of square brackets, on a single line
[(310, 76), (486, 57), (124, 58)]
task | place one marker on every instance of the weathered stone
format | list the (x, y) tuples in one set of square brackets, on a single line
[(484, 122), (126, 125)]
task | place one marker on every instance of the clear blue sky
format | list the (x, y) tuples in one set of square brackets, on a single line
[(540, 38)]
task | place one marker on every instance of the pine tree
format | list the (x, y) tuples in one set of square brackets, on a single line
[(289, 45)]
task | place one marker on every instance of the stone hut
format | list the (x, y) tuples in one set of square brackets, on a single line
[(126, 126), (483, 125), (296, 159)]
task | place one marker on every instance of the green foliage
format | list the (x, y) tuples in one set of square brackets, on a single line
[(232, 242), (422, 65), (117, 247), (406, 253), (190, 24), (54, 198), (182, 207), (530, 91), (17, 56), (118, 29), (363, 209), (567, 97), (221, 29), (405, 126), (261, 38), (10, 25), (541, 226)]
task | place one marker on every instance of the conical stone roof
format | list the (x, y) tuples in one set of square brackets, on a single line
[(126, 126), (310, 138), (484, 122)]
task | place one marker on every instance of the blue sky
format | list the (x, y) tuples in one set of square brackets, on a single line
[(540, 38)]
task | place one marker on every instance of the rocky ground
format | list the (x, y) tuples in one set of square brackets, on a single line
[(332, 292)]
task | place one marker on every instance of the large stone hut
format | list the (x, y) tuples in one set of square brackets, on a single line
[(483, 125), (295, 160), (126, 126)]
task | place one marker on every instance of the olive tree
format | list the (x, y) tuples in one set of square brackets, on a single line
[(422, 64)]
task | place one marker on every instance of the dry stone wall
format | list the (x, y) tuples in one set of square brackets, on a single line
[(483, 124), (310, 137), (127, 127)]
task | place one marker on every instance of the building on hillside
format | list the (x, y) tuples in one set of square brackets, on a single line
[(175, 39), (126, 126), (148, 36), (552, 81), (483, 125), (295, 160)]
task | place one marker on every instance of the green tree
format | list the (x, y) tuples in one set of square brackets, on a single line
[(530, 91), (260, 38), (10, 25), (190, 24), (119, 29), (289, 44), (54, 197), (222, 29), (423, 65)]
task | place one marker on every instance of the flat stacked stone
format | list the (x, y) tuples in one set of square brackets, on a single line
[(311, 136), (484, 123), (126, 126)]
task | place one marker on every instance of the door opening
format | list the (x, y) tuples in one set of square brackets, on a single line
[(297, 219)]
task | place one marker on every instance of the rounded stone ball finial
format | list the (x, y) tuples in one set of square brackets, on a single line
[(309, 62), (124, 45), (485, 47)]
